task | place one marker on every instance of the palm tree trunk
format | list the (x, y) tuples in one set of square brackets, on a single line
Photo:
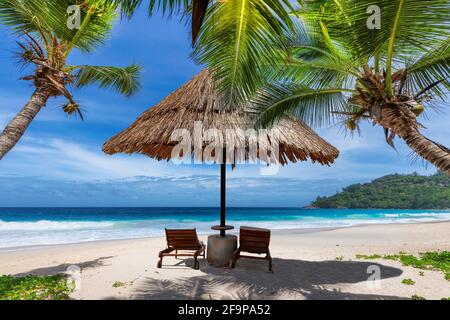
[(16, 128), (403, 123), (429, 150)]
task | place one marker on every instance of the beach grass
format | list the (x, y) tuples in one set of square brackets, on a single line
[(34, 288)]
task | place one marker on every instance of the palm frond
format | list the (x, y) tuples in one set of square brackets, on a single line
[(129, 7), (317, 62), (417, 23), (323, 74), (48, 18), (29, 16), (430, 71), (97, 19), (238, 39), (123, 80), (315, 107)]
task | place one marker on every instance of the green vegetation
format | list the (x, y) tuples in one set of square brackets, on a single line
[(371, 257), (408, 282), (393, 192), (340, 258), (416, 297), (427, 261), (34, 288), (118, 284)]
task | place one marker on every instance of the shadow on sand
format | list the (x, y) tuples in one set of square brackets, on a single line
[(63, 267), (250, 280)]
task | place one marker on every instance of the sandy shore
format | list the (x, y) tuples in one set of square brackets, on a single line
[(312, 265)]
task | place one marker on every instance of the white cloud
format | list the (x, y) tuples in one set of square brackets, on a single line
[(68, 160)]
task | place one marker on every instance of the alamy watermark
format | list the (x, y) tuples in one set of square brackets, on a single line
[(73, 273), (74, 17), (374, 280), (374, 20), (251, 146)]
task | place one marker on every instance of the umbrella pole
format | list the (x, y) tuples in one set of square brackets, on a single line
[(223, 186)]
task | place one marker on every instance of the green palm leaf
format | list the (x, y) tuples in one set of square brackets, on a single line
[(48, 18), (314, 107), (238, 40), (410, 24), (317, 62), (28, 16), (123, 80), (128, 7), (431, 68)]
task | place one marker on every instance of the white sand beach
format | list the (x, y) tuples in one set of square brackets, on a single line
[(311, 265)]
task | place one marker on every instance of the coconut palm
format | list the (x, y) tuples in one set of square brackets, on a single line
[(46, 42), (340, 68)]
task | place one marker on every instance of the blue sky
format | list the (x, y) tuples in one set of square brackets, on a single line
[(59, 160)]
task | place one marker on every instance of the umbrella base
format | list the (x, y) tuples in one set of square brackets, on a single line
[(220, 250)]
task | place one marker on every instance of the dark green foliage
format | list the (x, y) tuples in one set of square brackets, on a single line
[(393, 192), (34, 288)]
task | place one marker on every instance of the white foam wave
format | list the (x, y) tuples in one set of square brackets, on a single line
[(43, 225), (44, 232), (437, 215)]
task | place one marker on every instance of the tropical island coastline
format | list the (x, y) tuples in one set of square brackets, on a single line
[(395, 191)]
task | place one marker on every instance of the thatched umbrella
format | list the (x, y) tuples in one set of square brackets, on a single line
[(197, 102)]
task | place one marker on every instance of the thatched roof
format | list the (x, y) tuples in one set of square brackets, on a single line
[(151, 133)]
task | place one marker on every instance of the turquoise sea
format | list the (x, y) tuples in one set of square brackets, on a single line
[(49, 226)]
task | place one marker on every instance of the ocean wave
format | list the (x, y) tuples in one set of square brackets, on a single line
[(438, 215), (43, 225), (52, 232)]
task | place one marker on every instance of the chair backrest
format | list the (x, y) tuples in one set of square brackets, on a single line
[(254, 240), (182, 239)]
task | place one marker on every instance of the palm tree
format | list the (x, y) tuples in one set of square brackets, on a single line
[(341, 68), (46, 42)]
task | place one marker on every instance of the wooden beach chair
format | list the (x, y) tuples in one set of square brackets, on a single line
[(255, 241), (185, 240)]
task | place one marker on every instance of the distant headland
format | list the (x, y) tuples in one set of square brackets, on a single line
[(395, 191)]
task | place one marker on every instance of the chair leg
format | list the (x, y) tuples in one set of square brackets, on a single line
[(234, 258), (176, 254), (270, 263), (196, 264), (159, 265)]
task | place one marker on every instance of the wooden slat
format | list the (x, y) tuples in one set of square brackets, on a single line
[(254, 250), (183, 239), (253, 238), (261, 244)]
